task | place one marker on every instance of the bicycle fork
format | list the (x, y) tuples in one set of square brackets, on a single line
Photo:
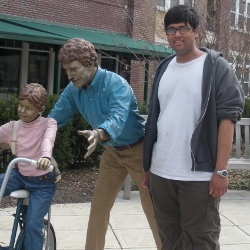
[(17, 221)]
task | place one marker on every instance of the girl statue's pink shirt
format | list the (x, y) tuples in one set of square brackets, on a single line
[(34, 140)]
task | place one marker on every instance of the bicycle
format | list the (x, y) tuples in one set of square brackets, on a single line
[(18, 243)]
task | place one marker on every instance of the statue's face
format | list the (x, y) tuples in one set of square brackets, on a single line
[(26, 111), (78, 74)]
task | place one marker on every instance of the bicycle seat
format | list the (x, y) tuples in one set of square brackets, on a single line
[(20, 194)]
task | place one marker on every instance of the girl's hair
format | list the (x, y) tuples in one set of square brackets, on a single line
[(181, 13), (35, 94), (78, 49)]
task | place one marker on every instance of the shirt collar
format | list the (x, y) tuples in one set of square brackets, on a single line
[(96, 80)]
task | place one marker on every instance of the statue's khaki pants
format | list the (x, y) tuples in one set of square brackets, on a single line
[(114, 167)]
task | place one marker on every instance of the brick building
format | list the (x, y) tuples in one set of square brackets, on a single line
[(31, 33)]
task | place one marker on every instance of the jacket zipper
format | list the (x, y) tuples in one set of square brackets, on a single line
[(211, 80)]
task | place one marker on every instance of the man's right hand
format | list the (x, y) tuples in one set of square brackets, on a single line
[(93, 138)]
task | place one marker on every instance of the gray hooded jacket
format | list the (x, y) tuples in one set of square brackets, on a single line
[(222, 98)]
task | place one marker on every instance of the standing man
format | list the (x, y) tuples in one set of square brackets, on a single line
[(107, 102), (196, 100)]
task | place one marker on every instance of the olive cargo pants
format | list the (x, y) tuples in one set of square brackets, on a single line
[(187, 216)]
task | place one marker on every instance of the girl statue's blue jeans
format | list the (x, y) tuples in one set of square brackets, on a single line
[(42, 190)]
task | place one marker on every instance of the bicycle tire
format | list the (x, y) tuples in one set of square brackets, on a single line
[(52, 238), (20, 241), (51, 235)]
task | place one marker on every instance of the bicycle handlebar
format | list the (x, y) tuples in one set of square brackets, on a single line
[(11, 166)]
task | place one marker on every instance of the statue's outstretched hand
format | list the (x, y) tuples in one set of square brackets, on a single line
[(93, 138)]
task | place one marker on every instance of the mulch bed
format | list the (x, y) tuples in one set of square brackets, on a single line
[(77, 185)]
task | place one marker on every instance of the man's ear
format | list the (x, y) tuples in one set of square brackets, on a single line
[(196, 32), (91, 67), (42, 110)]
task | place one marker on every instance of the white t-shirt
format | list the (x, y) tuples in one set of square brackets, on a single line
[(180, 104)]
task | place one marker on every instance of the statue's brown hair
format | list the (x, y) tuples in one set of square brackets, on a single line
[(35, 94), (78, 49)]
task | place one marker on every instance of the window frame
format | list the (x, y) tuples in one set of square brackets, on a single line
[(168, 4), (240, 19)]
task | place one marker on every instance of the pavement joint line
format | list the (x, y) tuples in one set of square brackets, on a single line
[(235, 225), (113, 231)]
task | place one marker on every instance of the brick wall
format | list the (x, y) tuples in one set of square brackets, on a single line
[(144, 15), (144, 20), (101, 14)]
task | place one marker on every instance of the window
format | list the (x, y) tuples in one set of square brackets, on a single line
[(174, 3), (241, 66), (240, 14), (167, 4), (108, 63), (248, 17), (161, 3), (211, 10), (9, 71), (10, 57), (38, 68)]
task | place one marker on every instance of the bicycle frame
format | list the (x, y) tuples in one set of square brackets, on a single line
[(17, 217)]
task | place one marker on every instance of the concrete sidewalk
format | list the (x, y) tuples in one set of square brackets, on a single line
[(128, 228)]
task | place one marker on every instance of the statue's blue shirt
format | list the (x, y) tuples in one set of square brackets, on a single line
[(108, 103)]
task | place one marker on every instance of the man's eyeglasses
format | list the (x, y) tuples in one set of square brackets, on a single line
[(182, 30)]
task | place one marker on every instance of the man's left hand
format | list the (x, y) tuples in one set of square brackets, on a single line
[(218, 186)]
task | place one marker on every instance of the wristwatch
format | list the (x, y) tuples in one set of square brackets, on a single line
[(222, 173)]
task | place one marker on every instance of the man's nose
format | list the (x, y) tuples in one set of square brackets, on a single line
[(177, 33), (69, 74)]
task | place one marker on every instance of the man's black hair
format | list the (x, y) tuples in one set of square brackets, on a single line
[(180, 14)]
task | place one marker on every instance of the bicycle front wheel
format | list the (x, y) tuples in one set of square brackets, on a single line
[(20, 241), (49, 236)]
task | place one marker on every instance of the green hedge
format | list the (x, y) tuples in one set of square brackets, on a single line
[(69, 149)]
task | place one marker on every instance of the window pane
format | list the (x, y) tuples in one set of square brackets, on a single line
[(238, 73), (9, 71), (233, 5), (108, 64), (232, 21), (188, 2), (174, 3), (246, 75), (64, 80), (247, 61), (124, 68), (38, 68), (241, 22), (242, 7), (248, 24), (161, 3)]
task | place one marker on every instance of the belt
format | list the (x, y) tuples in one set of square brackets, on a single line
[(121, 148), (38, 178)]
